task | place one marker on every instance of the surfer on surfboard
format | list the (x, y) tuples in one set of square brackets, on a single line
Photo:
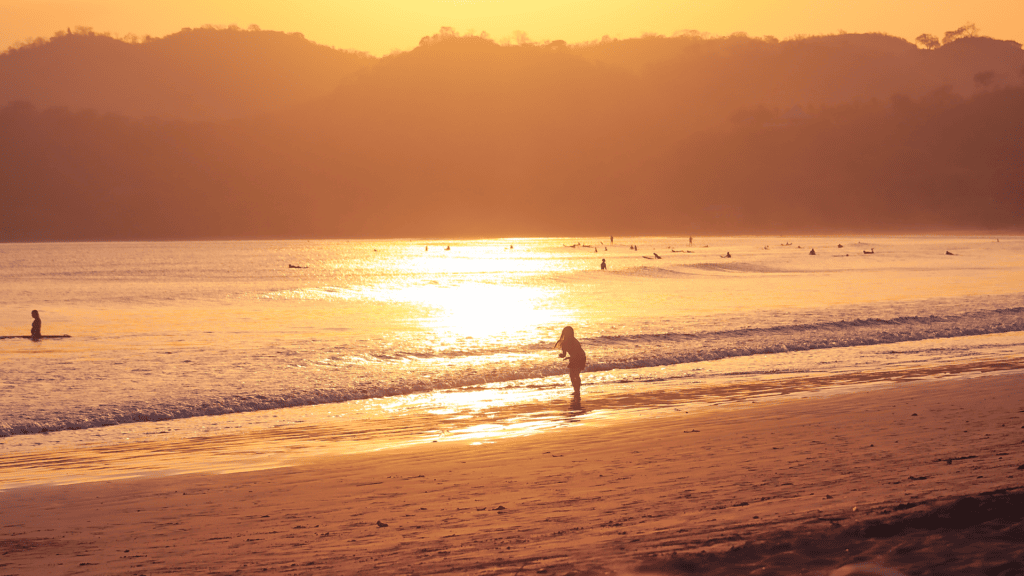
[(37, 331)]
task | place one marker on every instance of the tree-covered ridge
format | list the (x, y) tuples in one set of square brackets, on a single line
[(210, 74), (194, 74), (463, 136)]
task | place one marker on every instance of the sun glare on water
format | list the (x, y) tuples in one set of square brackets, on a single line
[(482, 310), (476, 291)]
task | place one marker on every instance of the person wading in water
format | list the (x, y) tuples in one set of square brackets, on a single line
[(37, 326), (568, 344)]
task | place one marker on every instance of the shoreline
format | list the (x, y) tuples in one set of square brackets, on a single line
[(279, 438), (656, 493)]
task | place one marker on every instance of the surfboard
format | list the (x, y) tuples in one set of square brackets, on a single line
[(29, 337)]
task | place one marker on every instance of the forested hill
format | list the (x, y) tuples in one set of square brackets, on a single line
[(195, 74), (210, 74), (466, 137), (721, 75)]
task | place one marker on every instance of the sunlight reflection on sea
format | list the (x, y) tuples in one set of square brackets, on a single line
[(189, 340)]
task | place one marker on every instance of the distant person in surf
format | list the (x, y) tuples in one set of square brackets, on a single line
[(37, 326), (568, 344), (604, 266)]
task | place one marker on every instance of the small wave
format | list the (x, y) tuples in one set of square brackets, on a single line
[(732, 266), (649, 272), (609, 352), (206, 407), (671, 349), (902, 328)]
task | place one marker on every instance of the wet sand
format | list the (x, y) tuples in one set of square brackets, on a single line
[(922, 478)]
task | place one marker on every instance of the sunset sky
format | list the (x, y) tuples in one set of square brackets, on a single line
[(382, 26)]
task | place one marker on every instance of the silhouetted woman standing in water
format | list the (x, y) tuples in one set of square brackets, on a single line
[(37, 326), (568, 344)]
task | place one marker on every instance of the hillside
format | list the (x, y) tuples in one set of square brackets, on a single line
[(195, 74), (212, 74), (718, 76), (465, 137)]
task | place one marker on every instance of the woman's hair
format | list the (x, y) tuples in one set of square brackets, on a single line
[(35, 313), (567, 334)]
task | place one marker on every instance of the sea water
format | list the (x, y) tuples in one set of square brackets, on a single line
[(366, 343)]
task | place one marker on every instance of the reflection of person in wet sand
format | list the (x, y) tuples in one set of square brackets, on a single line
[(575, 407), (37, 326), (568, 344)]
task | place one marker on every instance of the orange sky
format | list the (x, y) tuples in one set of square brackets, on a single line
[(381, 26)]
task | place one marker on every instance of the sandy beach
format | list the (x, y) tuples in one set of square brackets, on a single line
[(921, 478)]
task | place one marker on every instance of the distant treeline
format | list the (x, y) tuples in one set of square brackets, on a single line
[(463, 137)]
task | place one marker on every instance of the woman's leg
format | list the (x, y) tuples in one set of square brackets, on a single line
[(574, 376)]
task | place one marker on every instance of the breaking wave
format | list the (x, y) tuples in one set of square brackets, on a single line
[(399, 373)]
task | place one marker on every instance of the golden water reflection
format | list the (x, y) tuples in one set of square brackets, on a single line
[(479, 290), (481, 310)]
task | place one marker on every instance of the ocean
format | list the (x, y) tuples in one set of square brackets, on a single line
[(243, 354)]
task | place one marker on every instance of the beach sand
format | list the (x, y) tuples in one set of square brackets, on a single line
[(925, 477)]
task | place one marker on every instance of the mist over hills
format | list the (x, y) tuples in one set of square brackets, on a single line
[(465, 137)]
